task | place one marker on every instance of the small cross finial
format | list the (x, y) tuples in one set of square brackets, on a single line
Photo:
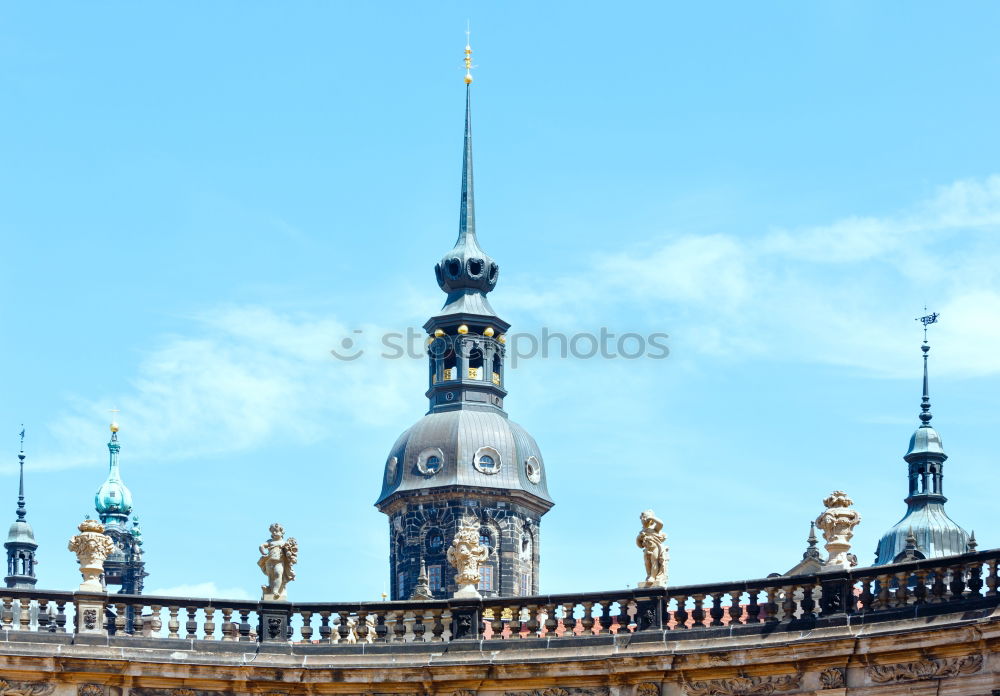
[(22, 437), (468, 56)]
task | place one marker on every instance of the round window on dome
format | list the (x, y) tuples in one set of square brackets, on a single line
[(533, 469), (487, 460), (430, 461)]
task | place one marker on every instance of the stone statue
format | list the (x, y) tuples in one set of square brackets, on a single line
[(277, 556), (651, 540), (837, 524), (92, 549), (465, 555)]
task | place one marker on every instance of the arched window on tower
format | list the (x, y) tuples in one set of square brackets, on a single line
[(476, 363), (497, 370)]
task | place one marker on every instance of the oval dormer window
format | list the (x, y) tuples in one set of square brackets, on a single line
[(533, 469), (487, 460), (430, 461)]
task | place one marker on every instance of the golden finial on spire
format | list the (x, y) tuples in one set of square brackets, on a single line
[(468, 57), (114, 423)]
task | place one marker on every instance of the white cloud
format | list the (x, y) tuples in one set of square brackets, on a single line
[(243, 376), (206, 590)]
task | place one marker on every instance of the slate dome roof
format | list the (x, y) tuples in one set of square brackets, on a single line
[(459, 440)]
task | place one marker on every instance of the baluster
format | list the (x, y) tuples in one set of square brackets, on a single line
[(173, 624), (228, 627), (24, 615), (699, 612), (515, 622), (419, 628), (735, 609), (306, 631), (119, 619), (920, 587), (866, 598), (437, 626), (343, 627), (60, 616), (753, 608), (191, 625), (399, 628), (532, 623), (681, 615), (938, 589), (392, 621), (788, 604), (991, 577), (496, 623), (771, 605), (551, 622), (957, 584), (244, 626), (324, 626), (883, 593), (568, 620), (7, 615), (209, 628), (975, 575), (381, 630), (716, 611), (902, 588), (43, 616), (446, 623), (808, 603), (362, 626), (409, 621)]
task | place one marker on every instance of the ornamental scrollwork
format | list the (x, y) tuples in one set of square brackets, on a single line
[(647, 689), (9, 687), (90, 690), (563, 691), (743, 686), (833, 678), (925, 669)]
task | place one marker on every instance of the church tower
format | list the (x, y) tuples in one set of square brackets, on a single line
[(113, 502), (20, 542), (465, 457), (934, 532)]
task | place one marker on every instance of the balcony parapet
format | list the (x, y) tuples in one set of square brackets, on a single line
[(748, 607)]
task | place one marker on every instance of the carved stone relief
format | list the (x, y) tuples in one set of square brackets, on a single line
[(833, 678), (563, 691), (9, 687), (925, 669), (743, 686), (647, 689), (91, 690)]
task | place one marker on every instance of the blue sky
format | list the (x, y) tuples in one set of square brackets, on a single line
[(198, 201)]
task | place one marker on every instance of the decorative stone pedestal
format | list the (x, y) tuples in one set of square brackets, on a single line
[(274, 622), (467, 592), (90, 615)]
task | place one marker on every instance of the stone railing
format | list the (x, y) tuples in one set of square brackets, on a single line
[(791, 603)]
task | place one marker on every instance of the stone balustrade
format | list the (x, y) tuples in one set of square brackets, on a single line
[(790, 603)]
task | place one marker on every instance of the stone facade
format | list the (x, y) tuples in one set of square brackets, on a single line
[(424, 530), (953, 654)]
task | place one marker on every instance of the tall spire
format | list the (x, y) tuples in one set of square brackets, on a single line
[(20, 542), (21, 510), (467, 210), (925, 401), (926, 528)]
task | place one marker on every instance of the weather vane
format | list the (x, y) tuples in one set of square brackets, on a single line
[(927, 320), (22, 437)]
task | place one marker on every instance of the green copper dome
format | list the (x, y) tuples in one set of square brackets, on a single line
[(113, 500)]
